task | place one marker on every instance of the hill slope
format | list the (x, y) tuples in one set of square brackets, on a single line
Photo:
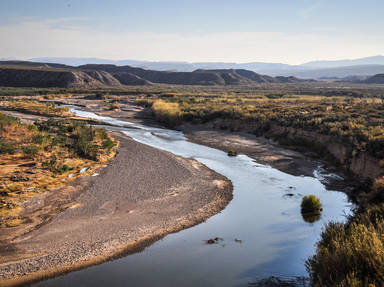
[(35, 74), (197, 77), (24, 77), (376, 79)]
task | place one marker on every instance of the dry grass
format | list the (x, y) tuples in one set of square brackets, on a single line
[(351, 254), (34, 107), (45, 155), (167, 113)]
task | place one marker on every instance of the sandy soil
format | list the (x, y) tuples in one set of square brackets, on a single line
[(144, 194)]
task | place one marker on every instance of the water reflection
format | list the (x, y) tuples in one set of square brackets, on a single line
[(281, 282), (311, 217)]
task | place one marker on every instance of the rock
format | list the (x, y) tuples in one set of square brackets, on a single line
[(214, 240), (3, 193), (29, 164), (10, 205), (18, 177), (30, 172)]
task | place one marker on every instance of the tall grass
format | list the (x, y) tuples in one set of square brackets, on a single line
[(167, 112)]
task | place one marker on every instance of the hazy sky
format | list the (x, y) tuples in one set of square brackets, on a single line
[(288, 31)]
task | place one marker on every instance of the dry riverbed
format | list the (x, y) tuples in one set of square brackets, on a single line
[(142, 195)]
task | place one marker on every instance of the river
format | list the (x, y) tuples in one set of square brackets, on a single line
[(262, 232)]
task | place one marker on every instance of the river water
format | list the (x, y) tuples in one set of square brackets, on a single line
[(262, 231)]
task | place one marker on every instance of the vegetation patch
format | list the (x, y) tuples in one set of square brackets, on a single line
[(167, 112), (351, 254), (357, 123), (35, 107), (311, 204), (44, 155)]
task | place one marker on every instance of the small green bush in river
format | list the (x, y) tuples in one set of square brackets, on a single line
[(310, 204), (232, 152)]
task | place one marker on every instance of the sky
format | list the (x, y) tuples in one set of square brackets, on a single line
[(285, 31)]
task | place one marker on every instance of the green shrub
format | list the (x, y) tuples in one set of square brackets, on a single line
[(55, 166), (232, 152), (30, 150), (351, 254), (7, 147), (167, 113), (7, 120), (38, 138), (310, 204), (108, 144)]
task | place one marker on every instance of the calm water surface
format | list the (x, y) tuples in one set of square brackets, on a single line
[(262, 228)]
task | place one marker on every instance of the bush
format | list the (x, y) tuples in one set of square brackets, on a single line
[(7, 147), (108, 144), (351, 254), (232, 152), (38, 138), (311, 204), (167, 113), (30, 150), (55, 166)]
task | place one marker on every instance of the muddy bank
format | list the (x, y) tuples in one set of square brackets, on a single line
[(268, 152), (360, 164), (144, 194)]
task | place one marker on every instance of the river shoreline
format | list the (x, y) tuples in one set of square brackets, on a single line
[(262, 150), (159, 193)]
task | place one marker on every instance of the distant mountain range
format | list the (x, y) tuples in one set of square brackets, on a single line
[(316, 69), (37, 74)]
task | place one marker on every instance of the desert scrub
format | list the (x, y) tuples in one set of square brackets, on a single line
[(7, 147), (352, 253), (166, 112), (30, 150), (37, 108), (354, 122), (311, 204), (41, 156)]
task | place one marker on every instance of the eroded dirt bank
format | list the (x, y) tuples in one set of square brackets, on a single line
[(144, 194), (361, 164)]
